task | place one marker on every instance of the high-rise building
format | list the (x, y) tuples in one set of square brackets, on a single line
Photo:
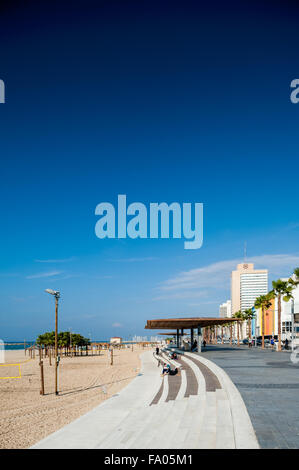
[(225, 309), (247, 284)]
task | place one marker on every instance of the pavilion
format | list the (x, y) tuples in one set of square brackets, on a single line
[(181, 324)]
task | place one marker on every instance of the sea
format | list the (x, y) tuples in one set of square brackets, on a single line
[(11, 345)]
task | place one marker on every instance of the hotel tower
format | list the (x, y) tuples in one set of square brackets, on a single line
[(247, 284)]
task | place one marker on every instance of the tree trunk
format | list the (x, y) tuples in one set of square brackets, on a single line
[(238, 334), (279, 322), (263, 328)]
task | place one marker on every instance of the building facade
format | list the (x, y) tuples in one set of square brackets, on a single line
[(225, 309), (247, 284), (271, 316)]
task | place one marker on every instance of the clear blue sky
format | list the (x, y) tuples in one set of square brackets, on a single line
[(162, 101)]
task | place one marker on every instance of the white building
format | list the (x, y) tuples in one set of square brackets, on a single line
[(247, 284), (225, 309), (287, 310), (115, 340), (252, 285)]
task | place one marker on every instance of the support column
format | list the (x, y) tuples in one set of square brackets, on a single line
[(199, 339), (191, 335), (177, 338)]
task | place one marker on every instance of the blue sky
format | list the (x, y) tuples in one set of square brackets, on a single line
[(161, 101)]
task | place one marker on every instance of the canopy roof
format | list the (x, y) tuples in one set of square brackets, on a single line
[(178, 323), (170, 333)]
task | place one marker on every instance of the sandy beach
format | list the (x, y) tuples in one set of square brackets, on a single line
[(84, 382)]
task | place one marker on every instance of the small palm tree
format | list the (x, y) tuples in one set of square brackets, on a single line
[(239, 315), (294, 282), (264, 302), (281, 288), (249, 315)]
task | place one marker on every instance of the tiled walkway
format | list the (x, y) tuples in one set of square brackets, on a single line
[(269, 384)]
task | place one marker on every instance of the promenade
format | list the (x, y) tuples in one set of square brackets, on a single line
[(198, 408), (269, 384)]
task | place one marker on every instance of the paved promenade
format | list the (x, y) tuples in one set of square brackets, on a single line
[(269, 384), (198, 408)]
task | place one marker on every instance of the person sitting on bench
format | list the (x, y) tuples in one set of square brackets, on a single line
[(165, 369), (173, 372)]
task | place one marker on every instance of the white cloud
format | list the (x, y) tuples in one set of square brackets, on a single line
[(65, 260), (182, 295), (133, 260), (45, 274), (117, 325), (217, 275)]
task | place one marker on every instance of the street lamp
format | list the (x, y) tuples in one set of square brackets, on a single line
[(71, 342), (255, 325), (57, 296)]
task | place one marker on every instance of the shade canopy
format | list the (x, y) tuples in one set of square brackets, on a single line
[(178, 323), (170, 333)]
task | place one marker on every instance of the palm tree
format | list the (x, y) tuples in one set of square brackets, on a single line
[(281, 288), (294, 282), (249, 315), (264, 302), (239, 315)]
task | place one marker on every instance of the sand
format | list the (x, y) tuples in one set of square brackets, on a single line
[(84, 382)]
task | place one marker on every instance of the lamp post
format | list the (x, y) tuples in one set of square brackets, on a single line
[(57, 296), (71, 343), (255, 321)]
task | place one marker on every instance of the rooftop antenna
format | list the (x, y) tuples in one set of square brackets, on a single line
[(245, 251)]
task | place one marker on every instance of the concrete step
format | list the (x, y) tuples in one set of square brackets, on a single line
[(116, 437), (195, 405), (198, 374), (183, 386), (151, 427), (170, 426), (225, 438), (208, 435), (195, 431), (165, 390)]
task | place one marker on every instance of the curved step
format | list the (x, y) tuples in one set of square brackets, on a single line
[(198, 374), (192, 383), (152, 427), (211, 380)]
